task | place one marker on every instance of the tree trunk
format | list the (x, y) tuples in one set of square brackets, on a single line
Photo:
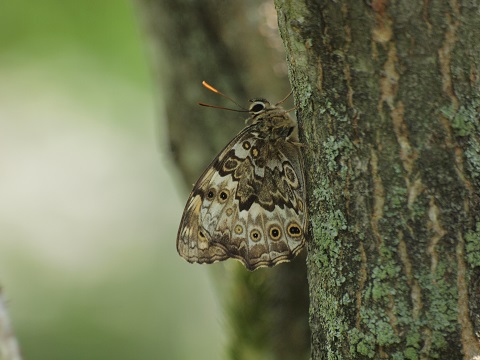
[(387, 96)]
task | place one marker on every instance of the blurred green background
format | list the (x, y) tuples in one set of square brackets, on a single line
[(88, 209)]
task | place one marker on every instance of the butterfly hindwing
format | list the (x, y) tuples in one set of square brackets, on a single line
[(249, 204)]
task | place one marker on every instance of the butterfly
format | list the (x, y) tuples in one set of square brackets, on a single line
[(249, 204)]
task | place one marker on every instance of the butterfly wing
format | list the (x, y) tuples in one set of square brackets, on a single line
[(249, 204)]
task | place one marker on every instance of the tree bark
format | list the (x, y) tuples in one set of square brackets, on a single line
[(387, 96)]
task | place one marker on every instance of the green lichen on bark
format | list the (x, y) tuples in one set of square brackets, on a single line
[(472, 247), (393, 166)]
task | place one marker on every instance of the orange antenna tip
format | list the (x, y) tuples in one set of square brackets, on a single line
[(210, 87)]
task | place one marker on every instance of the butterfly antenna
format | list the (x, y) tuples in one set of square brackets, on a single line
[(292, 109), (285, 98), (220, 107), (211, 88)]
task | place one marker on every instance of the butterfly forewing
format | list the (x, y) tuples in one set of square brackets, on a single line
[(249, 204)]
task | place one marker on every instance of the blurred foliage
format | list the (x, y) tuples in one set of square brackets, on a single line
[(89, 214), (107, 29)]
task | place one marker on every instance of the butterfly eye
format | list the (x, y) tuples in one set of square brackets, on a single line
[(238, 229), (275, 232), (223, 196), (211, 194), (257, 107), (255, 235), (294, 230)]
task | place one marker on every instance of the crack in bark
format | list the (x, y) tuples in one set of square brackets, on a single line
[(439, 233), (407, 154), (378, 197), (445, 56), (415, 289)]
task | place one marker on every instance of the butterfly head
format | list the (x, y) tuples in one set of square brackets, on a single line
[(271, 120), (260, 109), (258, 106)]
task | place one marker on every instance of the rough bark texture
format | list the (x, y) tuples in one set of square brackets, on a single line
[(388, 103), (235, 46)]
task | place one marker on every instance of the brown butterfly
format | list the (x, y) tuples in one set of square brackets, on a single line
[(249, 204)]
